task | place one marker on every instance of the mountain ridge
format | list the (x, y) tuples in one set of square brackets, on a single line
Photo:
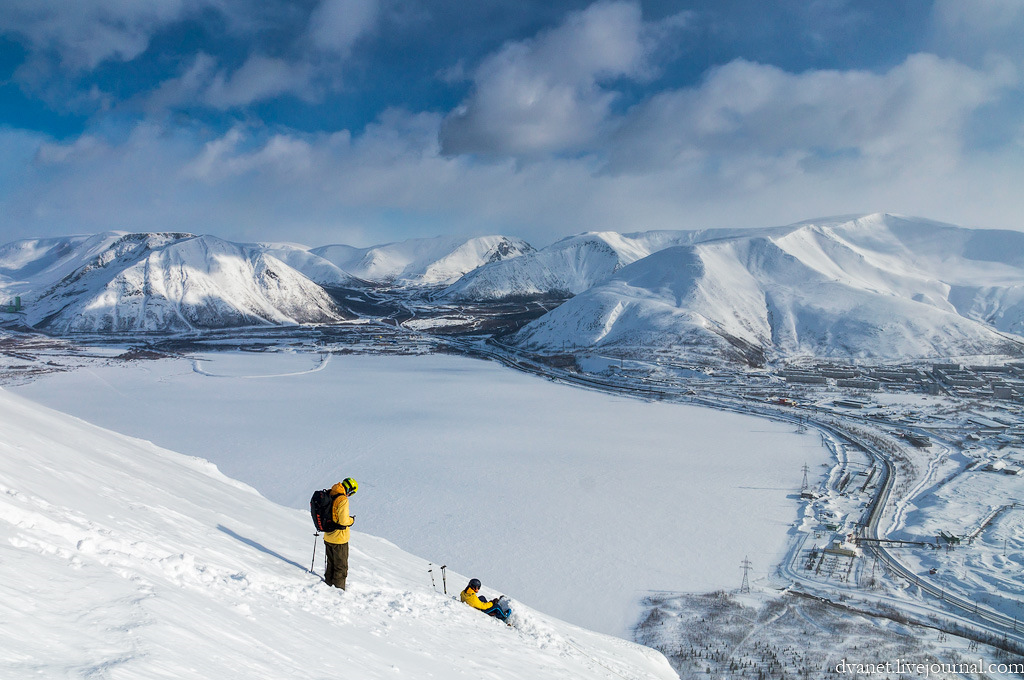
[(809, 289), (428, 262), (873, 287), (178, 282)]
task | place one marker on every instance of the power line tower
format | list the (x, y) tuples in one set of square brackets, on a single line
[(803, 487), (745, 587)]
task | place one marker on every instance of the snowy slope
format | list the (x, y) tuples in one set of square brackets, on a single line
[(874, 287), (979, 272), (120, 559), (312, 266), (467, 463), (163, 282), (32, 265), (569, 266), (428, 261)]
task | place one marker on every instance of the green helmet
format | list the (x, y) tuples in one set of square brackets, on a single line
[(351, 486)]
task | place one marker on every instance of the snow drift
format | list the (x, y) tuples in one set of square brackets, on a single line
[(121, 559)]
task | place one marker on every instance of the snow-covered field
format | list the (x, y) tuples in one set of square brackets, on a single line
[(119, 559), (989, 568), (575, 503)]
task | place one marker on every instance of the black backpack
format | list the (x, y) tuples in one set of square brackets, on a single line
[(320, 506)]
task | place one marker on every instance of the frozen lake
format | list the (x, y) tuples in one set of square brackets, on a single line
[(575, 502)]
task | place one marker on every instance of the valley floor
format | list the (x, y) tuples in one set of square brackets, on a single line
[(575, 502), (525, 466)]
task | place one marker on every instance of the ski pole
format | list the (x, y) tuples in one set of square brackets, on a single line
[(444, 578), (315, 536), (433, 583)]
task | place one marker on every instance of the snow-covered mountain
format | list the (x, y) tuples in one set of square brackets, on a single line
[(312, 266), (122, 559), (879, 286), (569, 266), (31, 265), (158, 282), (426, 261)]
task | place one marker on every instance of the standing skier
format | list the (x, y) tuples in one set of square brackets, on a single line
[(336, 542)]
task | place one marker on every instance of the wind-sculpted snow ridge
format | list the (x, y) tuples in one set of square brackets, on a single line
[(877, 287), (569, 266), (121, 559), (418, 262), (176, 282)]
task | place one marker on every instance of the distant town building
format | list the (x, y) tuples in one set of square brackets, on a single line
[(806, 378), (858, 383), (920, 441), (841, 547), (851, 402), (829, 372), (1002, 391), (962, 380), (936, 368)]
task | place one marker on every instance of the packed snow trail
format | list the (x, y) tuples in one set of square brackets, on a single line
[(119, 559), (199, 366)]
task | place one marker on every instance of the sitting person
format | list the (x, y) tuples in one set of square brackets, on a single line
[(497, 607)]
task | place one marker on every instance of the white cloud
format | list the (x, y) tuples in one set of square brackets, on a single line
[(335, 25), (79, 150), (333, 28), (226, 157), (183, 89), (749, 114), (87, 32), (750, 145), (545, 94), (260, 78), (83, 34), (973, 31), (392, 182)]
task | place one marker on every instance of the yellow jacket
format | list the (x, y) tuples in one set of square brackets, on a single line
[(339, 513), (473, 599)]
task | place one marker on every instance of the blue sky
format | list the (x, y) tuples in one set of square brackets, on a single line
[(366, 121)]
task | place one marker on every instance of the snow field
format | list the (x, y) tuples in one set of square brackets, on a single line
[(989, 568), (573, 502), (119, 559)]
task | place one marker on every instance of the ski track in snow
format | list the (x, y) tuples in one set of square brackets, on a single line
[(197, 367), (906, 503)]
